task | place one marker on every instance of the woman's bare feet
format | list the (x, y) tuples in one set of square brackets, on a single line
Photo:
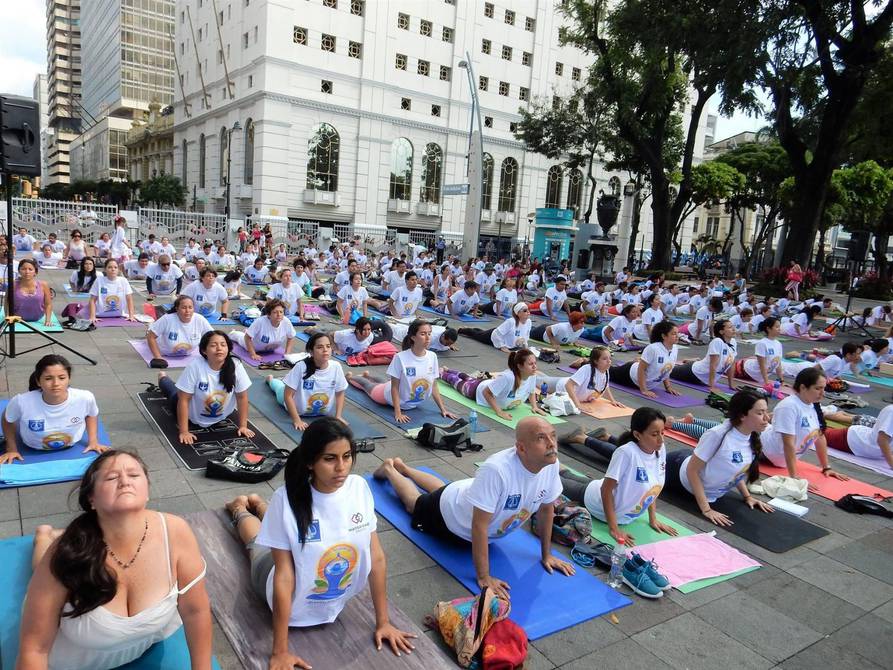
[(257, 505), (161, 374), (237, 505), (578, 436), (383, 470)]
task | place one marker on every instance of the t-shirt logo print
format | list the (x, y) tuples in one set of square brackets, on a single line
[(35, 425), (641, 475), (357, 518), (513, 501), (737, 457), (334, 572)]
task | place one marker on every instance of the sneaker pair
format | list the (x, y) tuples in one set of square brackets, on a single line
[(643, 578)]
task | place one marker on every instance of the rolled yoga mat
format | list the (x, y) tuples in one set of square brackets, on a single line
[(542, 603), (246, 620), (15, 556), (427, 412)]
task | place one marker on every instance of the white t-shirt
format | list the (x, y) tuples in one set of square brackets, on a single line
[(417, 377), (401, 329), (660, 363), (649, 317), (73, 280), (705, 316), (349, 295), (727, 454), (587, 385), (621, 329), (717, 347), (504, 488), (333, 565), (835, 366), (743, 326), (133, 270), (206, 300), (256, 276), (191, 252), (463, 303), (558, 299), (393, 279), (23, 242), (593, 301), (639, 477), (210, 402), (669, 302), (164, 282), (291, 296), (51, 427), (510, 334), (864, 441), (794, 417), (487, 281), (771, 350), (51, 262), (507, 299), (406, 301), (346, 341), (502, 388), (111, 296), (564, 332), (175, 338), (265, 337), (315, 396)]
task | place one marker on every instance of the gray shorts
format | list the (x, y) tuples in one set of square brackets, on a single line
[(261, 565)]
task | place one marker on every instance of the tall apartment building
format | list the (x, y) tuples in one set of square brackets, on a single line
[(41, 95), (128, 64), (63, 86)]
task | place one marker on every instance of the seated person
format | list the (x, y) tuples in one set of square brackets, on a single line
[(257, 272), (211, 388), (509, 487), (868, 442), (138, 268), (800, 324), (209, 297), (463, 302), (703, 323), (504, 391), (653, 314), (267, 332), (51, 415), (81, 280), (56, 244), (111, 295), (513, 333), (289, 293), (506, 298), (558, 334), (591, 381), (194, 272), (314, 386), (555, 300), (595, 302), (441, 289), (719, 360), (412, 376), (406, 299), (164, 278), (47, 258), (653, 366), (321, 518), (119, 579), (33, 297), (177, 333), (232, 282)]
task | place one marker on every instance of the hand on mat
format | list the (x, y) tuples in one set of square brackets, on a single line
[(672, 391), (299, 425), (446, 414), (552, 563), (256, 357), (98, 448), (48, 321), (398, 639), (499, 587), (753, 503), (245, 432), (400, 417), (718, 518), (187, 438), (648, 394), (628, 539), (538, 410), (287, 661), (10, 456), (502, 414), (836, 475), (664, 528)]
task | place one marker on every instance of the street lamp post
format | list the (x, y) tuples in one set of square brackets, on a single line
[(475, 173), (229, 154)]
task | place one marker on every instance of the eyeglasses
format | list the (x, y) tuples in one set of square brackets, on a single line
[(77, 237), (164, 265)]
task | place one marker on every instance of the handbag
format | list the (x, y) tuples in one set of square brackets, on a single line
[(247, 464), (464, 622)]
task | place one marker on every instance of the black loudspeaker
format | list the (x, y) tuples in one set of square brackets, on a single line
[(19, 136), (858, 249)]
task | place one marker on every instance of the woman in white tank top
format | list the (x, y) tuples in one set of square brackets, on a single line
[(74, 622)]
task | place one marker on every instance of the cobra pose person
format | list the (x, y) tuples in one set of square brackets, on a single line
[(653, 366), (512, 333), (591, 381)]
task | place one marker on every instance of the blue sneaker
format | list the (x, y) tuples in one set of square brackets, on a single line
[(636, 577), (659, 580)]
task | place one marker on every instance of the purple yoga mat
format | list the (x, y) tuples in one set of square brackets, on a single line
[(663, 397), (270, 357), (142, 348)]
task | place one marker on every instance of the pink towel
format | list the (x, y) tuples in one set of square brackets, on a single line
[(688, 559)]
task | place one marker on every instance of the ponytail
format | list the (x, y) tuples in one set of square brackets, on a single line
[(639, 422), (516, 360)]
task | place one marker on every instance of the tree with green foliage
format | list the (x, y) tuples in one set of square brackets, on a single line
[(163, 190), (713, 183), (866, 190)]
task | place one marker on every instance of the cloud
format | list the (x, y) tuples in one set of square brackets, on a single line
[(23, 47)]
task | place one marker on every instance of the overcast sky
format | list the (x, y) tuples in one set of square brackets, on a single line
[(23, 57)]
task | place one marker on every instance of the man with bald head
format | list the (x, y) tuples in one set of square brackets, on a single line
[(508, 489), (164, 278)]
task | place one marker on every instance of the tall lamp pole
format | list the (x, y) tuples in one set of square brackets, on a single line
[(472, 229), (229, 154)]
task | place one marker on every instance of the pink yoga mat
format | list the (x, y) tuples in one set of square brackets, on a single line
[(827, 487), (602, 409), (694, 557), (142, 348), (270, 357)]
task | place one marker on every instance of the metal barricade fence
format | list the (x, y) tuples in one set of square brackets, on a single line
[(179, 226), (301, 234), (426, 238), (42, 217)]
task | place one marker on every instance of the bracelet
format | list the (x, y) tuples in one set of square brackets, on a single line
[(704, 511), (826, 468)]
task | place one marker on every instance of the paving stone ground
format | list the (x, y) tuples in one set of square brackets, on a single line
[(827, 603)]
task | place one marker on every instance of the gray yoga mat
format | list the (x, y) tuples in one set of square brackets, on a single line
[(247, 622)]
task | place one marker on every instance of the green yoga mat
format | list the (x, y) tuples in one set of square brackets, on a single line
[(518, 413), (879, 381), (55, 328)]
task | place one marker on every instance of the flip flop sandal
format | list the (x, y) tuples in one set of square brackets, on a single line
[(592, 555), (267, 366), (152, 388), (365, 446)]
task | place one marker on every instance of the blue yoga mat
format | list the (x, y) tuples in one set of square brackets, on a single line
[(426, 412), (15, 556), (542, 603), (45, 467), (464, 317)]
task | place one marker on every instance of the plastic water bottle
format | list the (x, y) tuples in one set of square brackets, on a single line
[(544, 390), (618, 558), (473, 421), (776, 390)]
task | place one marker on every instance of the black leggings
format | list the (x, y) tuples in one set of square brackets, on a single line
[(381, 331), (573, 485), (623, 376), (479, 334), (539, 333), (684, 373), (672, 480)]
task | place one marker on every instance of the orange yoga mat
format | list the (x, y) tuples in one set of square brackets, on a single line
[(602, 409), (680, 437), (827, 487)]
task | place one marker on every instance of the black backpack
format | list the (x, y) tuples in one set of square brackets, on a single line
[(247, 465), (456, 437), (863, 505)]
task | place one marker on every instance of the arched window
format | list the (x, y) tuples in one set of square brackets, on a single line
[(487, 193), (323, 150), (249, 152), (553, 186), (222, 161), (401, 169), (508, 182), (614, 186), (574, 191), (185, 163), (201, 161), (432, 169)]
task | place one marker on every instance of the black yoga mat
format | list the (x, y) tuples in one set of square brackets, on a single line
[(210, 442), (247, 622)]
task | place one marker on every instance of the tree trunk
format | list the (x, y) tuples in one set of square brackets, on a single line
[(662, 225), (592, 185), (879, 251), (636, 221)]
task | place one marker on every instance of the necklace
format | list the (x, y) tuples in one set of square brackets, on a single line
[(126, 565)]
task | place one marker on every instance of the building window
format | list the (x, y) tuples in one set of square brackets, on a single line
[(328, 43), (553, 187), (250, 81), (403, 21), (506, 53), (425, 28), (523, 93), (694, 228), (299, 35), (572, 105), (432, 169), (488, 122), (530, 24), (503, 88), (485, 46), (354, 49), (574, 191), (185, 156), (406, 103), (244, 40), (322, 158), (488, 10), (487, 191), (332, 4), (423, 67), (575, 74), (556, 102), (559, 69), (614, 185), (326, 86), (222, 158), (435, 110), (357, 7), (447, 34), (199, 34), (510, 17), (445, 73), (401, 170), (508, 179), (526, 58), (513, 127), (249, 152), (255, 34), (400, 62)]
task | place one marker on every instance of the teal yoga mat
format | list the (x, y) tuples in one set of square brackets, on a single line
[(56, 327), (15, 556)]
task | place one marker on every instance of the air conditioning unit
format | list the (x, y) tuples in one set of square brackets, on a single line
[(427, 208), (315, 197), (505, 217), (486, 215), (399, 206)]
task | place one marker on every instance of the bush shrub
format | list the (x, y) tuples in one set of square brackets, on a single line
[(874, 287)]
